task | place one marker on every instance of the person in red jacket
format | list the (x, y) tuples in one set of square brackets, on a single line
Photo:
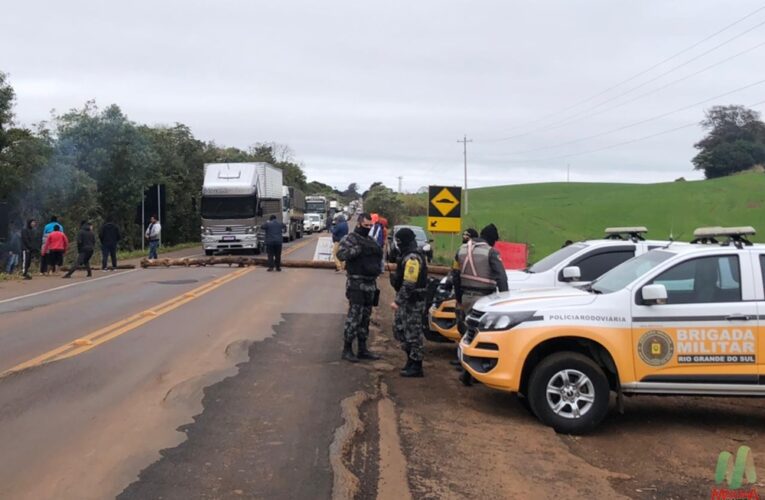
[(55, 247)]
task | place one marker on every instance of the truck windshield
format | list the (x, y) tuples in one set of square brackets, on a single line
[(228, 207), (286, 203), (556, 258), (627, 272), (316, 207)]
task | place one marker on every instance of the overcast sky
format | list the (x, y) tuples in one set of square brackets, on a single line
[(365, 91)]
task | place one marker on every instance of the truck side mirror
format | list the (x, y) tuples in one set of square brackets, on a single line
[(654, 294), (571, 273)]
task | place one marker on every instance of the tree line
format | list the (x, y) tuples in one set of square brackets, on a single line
[(94, 164)]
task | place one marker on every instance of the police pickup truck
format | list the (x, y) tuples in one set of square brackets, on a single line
[(679, 320), (573, 265)]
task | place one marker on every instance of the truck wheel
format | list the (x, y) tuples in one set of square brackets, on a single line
[(569, 392), (209, 252)]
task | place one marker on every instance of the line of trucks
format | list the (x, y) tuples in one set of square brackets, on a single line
[(238, 198)]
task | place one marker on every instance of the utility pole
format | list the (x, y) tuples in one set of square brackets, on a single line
[(464, 142), (400, 178)]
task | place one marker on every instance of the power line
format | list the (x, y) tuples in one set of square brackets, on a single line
[(624, 143), (674, 68), (579, 117), (641, 122)]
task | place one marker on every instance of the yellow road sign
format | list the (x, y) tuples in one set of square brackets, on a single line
[(444, 209), (444, 224)]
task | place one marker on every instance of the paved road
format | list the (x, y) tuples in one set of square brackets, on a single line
[(150, 341)]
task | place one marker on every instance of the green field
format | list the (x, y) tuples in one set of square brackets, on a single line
[(545, 215)]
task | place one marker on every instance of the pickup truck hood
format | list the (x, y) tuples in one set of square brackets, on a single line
[(517, 276), (542, 298)]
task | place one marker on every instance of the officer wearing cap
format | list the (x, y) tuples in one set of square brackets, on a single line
[(410, 282)]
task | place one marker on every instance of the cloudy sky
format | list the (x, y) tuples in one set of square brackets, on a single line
[(366, 91)]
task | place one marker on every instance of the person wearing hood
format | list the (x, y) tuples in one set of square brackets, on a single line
[(49, 227), (477, 271), (86, 244), (54, 248), (362, 256), (410, 282), (30, 246), (339, 231)]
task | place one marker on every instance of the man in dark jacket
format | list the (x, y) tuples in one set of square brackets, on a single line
[(86, 244), (109, 235), (30, 246), (274, 230), (339, 231), (362, 262)]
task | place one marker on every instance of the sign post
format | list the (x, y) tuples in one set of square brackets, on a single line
[(444, 209)]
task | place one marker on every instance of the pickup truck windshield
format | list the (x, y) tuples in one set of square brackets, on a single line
[(624, 274), (228, 207), (556, 258)]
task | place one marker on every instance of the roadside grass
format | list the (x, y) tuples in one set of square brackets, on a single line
[(546, 215)]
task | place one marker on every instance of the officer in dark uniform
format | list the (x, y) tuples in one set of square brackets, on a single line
[(410, 282), (362, 256)]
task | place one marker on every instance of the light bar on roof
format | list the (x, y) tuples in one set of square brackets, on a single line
[(711, 232), (626, 230)]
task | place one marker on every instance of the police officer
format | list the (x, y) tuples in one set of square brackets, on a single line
[(410, 282), (478, 271), (362, 256)]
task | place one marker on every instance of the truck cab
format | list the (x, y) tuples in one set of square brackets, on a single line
[(237, 198)]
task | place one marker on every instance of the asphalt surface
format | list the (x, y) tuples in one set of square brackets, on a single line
[(85, 426)]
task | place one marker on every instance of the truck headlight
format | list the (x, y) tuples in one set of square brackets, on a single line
[(207, 231), (494, 321), (249, 230)]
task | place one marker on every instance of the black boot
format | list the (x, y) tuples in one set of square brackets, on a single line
[(466, 379), (364, 353), (348, 353), (414, 370), (406, 367)]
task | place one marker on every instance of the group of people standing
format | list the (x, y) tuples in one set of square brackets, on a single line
[(477, 271), (51, 244)]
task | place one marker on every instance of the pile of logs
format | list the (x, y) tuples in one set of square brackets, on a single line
[(243, 261)]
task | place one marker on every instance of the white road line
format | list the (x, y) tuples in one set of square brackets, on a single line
[(12, 299)]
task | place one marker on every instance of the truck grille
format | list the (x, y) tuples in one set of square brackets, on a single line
[(472, 321), (227, 229)]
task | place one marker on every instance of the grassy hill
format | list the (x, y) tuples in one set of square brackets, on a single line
[(545, 215)]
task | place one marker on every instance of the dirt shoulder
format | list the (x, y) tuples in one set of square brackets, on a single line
[(465, 442)]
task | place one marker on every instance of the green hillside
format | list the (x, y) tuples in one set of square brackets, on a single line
[(545, 215)]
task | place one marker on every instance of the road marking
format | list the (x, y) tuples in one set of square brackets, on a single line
[(110, 332), (65, 286)]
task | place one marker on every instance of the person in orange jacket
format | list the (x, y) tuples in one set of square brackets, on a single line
[(55, 246)]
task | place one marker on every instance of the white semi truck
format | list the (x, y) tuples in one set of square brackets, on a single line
[(293, 212), (317, 205), (237, 198)]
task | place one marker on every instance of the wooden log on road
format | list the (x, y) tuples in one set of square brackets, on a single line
[(243, 261)]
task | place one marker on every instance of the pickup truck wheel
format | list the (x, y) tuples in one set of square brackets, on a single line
[(569, 392), (209, 252)]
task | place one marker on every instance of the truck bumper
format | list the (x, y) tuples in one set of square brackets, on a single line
[(240, 242)]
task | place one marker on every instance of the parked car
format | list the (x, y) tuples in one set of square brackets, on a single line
[(573, 265), (423, 243), (678, 320), (313, 223)]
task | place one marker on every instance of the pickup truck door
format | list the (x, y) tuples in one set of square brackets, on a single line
[(707, 332)]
